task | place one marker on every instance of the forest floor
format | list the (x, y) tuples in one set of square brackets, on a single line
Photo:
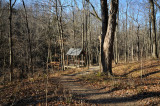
[(136, 83)]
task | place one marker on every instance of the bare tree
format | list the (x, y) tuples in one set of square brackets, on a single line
[(30, 62)]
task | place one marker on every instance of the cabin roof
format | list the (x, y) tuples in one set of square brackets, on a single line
[(74, 51)]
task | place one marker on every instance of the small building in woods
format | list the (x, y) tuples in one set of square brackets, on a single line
[(75, 57)]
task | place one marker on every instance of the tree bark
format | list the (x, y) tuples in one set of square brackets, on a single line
[(138, 44), (150, 33), (62, 42), (86, 33), (104, 12), (30, 62), (89, 51), (154, 53), (126, 38), (109, 38), (83, 15), (60, 31), (132, 51), (10, 40), (116, 38)]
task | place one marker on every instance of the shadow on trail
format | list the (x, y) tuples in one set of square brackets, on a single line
[(139, 68), (125, 99), (151, 73), (97, 93)]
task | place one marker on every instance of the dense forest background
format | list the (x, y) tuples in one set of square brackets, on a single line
[(43, 31)]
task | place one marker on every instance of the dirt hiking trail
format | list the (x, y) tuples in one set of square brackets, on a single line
[(93, 95)]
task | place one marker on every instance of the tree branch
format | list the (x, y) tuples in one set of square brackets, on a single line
[(95, 13), (76, 4), (135, 20), (14, 3), (155, 2)]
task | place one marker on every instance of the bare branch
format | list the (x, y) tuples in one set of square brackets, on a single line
[(76, 4), (136, 20), (155, 2), (95, 13), (14, 3)]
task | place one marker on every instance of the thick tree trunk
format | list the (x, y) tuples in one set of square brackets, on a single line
[(154, 53), (109, 38), (104, 12)]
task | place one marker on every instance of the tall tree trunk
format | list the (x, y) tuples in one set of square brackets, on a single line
[(116, 38), (86, 29), (132, 51), (10, 40), (104, 12), (30, 63), (83, 15), (126, 38), (62, 42), (154, 53), (58, 26), (150, 33), (109, 38), (159, 39), (60, 31), (138, 44), (73, 27), (89, 51)]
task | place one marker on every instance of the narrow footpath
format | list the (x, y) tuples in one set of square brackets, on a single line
[(91, 95)]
